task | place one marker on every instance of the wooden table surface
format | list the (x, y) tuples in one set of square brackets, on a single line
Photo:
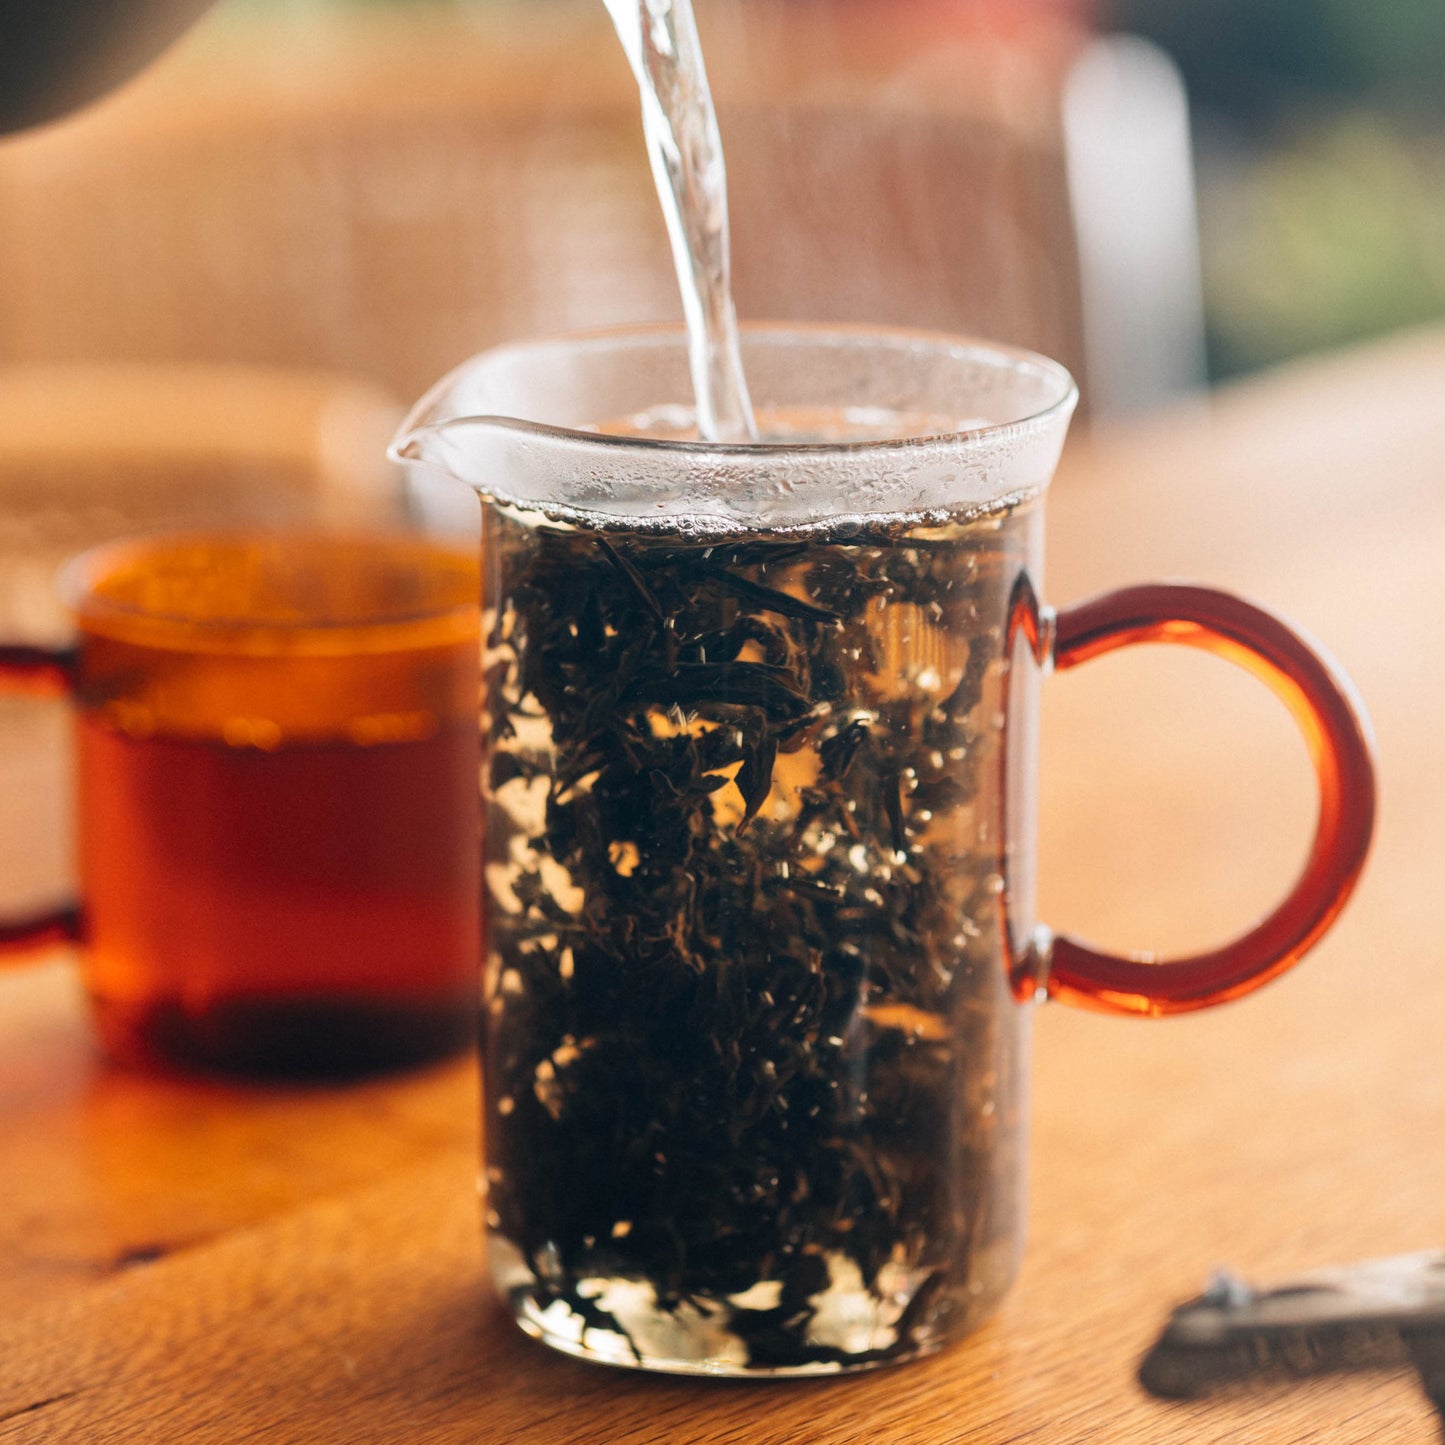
[(217, 1263)]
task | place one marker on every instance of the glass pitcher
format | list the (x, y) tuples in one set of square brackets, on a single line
[(759, 850)]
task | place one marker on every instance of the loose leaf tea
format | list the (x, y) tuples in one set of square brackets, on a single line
[(751, 1084)]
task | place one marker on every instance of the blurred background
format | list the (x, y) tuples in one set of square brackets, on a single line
[(221, 284), (380, 187), (1319, 129)]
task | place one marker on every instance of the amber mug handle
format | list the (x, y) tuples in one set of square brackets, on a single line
[(1337, 732), (38, 672)]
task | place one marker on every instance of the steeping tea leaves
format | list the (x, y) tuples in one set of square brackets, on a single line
[(749, 1082)]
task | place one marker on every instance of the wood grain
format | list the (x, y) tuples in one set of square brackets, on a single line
[(220, 1264), (103, 1170)]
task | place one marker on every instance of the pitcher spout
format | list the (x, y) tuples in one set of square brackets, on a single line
[(444, 447)]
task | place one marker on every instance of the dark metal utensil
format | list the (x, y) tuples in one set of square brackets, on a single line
[(1380, 1314)]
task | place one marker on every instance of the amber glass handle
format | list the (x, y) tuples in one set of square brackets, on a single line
[(42, 672), (1337, 732)]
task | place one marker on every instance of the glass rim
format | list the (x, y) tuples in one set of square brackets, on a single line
[(79, 577), (1003, 357)]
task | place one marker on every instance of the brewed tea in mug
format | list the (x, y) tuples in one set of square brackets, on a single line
[(277, 761)]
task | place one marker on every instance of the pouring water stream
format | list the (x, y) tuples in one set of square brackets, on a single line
[(685, 150)]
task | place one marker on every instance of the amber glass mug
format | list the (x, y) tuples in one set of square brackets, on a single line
[(277, 760), (759, 838)]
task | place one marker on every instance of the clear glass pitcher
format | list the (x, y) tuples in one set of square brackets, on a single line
[(760, 728)]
